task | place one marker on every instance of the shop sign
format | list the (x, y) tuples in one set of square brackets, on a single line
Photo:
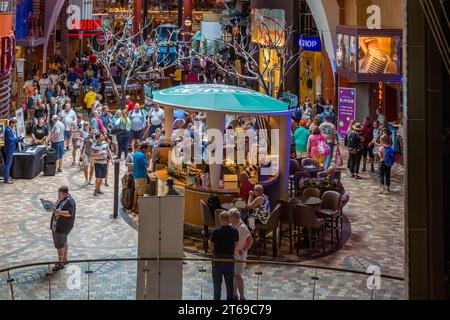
[(75, 22), (7, 54), (307, 43), (346, 109)]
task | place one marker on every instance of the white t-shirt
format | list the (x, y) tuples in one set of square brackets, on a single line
[(44, 84), (68, 118), (157, 117), (243, 234), (58, 130), (54, 79)]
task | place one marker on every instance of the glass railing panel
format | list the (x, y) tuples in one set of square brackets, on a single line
[(111, 280), (5, 290), (334, 285), (30, 283), (279, 282), (390, 289)]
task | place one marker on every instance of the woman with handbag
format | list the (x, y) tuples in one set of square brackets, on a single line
[(122, 129), (318, 147)]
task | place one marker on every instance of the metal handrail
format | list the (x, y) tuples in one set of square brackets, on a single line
[(254, 262)]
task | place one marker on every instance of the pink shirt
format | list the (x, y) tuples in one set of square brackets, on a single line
[(101, 127), (313, 143)]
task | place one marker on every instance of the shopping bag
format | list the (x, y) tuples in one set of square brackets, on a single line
[(339, 161)]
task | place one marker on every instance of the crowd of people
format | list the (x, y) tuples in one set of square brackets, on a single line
[(314, 135)]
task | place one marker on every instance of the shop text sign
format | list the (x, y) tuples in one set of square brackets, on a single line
[(310, 43), (346, 109), (75, 22)]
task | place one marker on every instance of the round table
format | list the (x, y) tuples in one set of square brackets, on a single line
[(309, 201), (227, 206)]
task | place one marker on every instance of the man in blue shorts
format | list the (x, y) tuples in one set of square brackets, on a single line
[(57, 139)]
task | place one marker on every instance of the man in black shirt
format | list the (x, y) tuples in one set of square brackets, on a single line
[(40, 132), (61, 224), (223, 242)]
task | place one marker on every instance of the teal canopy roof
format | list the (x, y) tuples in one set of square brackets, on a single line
[(220, 98)]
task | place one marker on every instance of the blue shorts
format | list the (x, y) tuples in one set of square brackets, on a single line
[(100, 170), (67, 135), (59, 148)]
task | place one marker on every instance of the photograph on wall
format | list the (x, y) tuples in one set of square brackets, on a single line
[(347, 63), (379, 55), (340, 51), (353, 53), (3, 124)]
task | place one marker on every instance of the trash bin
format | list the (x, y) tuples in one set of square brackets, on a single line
[(153, 184), (50, 156), (49, 169)]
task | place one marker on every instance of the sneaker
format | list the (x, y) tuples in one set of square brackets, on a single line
[(95, 193), (353, 176), (9, 182), (106, 184), (382, 190), (90, 183), (59, 170), (73, 164), (99, 192), (86, 183)]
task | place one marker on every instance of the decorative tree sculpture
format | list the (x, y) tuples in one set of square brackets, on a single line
[(261, 59), (133, 55)]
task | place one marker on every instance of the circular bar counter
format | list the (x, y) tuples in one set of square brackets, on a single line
[(193, 195)]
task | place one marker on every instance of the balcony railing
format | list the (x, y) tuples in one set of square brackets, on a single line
[(115, 279)]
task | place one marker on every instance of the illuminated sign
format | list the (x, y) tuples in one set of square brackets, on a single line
[(7, 54), (310, 44)]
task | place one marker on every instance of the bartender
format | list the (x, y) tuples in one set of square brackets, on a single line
[(11, 140)]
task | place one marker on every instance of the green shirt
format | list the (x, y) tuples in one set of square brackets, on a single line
[(301, 136)]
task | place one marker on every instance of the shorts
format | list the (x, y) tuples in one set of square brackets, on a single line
[(59, 240), (114, 139), (141, 187), (137, 134), (368, 151), (100, 170), (86, 162), (239, 267), (67, 135), (59, 148)]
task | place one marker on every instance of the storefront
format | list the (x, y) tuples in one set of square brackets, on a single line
[(310, 72), (371, 62)]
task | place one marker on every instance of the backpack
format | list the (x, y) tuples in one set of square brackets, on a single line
[(354, 142), (389, 156)]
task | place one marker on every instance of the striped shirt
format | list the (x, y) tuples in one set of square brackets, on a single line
[(102, 149)]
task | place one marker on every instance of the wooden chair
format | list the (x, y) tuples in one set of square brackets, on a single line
[(208, 222), (330, 211), (287, 217), (294, 167), (311, 192), (305, 217), (270, 226)]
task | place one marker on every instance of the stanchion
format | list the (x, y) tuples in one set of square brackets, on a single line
[(116, 188)]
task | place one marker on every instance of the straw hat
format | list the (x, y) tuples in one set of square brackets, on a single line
[(357, 126)]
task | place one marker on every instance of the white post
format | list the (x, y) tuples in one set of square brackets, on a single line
[(215, 120)]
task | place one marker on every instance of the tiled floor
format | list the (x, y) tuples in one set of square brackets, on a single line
[(377, 237)]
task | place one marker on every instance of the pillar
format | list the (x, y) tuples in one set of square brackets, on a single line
[(137, 11), (282, 147), (216, 120), (168, 122), (187, 14)]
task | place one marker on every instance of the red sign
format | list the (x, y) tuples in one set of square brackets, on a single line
[(101, 39), (7, 54)]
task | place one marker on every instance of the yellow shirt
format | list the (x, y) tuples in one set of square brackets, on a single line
[(177, 75), (89, 99)]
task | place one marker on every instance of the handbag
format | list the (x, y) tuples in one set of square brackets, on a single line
[(339, 161)]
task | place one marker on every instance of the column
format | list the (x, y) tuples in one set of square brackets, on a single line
[(283, 124), (216, 120), (137, 11), (187, 14), (168, 122)]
